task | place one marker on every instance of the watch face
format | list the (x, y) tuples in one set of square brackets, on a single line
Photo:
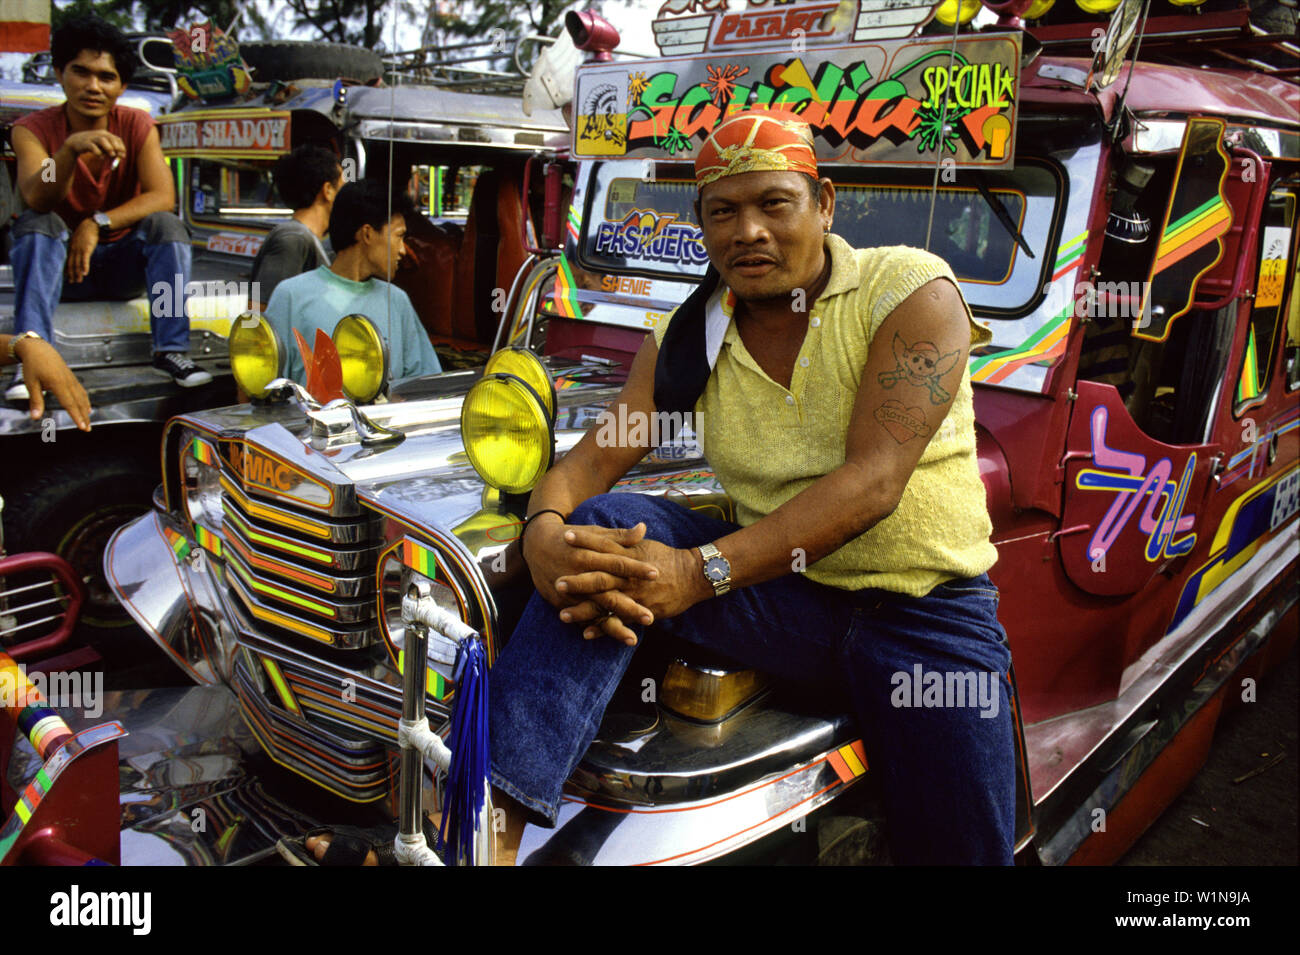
[(717, 568)]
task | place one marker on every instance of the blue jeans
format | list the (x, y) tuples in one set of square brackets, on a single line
[(946, 771), (154, 256)]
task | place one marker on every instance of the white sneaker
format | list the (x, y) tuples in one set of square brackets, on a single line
[(183, 371), (17, 390)]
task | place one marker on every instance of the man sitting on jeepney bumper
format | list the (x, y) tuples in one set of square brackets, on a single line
[(367, 237), (832, 398), (99, 197)]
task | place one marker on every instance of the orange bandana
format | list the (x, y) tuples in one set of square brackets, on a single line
[(756, 142)]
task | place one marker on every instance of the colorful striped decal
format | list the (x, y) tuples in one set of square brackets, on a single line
[(564, 381), (565, 296), (325, 610), (1048, 342), (574, 223), (284, 570), (208, 540), (281, 687), (1248, 384), (25, 705), (279, 543), (179, 545), (1199, 227), (204, 452), (419, 559), (434, 682), (849, 762)]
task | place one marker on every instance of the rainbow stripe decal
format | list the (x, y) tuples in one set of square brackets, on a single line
[(25, 705), (574, 223), (204, 452), (435, 684), (1198, 228), (565, 297), (1248, 385), (1048, 342), (849, 762), (207, 540), (419, 559), (179, 545)]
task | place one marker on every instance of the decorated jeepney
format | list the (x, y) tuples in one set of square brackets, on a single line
[(1124, 224)]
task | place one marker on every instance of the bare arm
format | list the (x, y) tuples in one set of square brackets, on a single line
[(885, 442), (157, 191), (41, 185), (882, 450)]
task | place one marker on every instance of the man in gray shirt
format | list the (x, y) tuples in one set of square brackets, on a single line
[(308, 179)]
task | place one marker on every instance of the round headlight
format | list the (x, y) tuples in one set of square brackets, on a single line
[(1097, 6), (364, 357), (507, 433), (520, 362), (256, 353), (951, 10), (1038, 8)]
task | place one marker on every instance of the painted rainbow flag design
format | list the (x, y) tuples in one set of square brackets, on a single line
[(1047, 342), (420, 559), (849, 762), (565, 296), (1195, 230)]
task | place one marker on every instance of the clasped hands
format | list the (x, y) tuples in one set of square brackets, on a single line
[(609, 577)]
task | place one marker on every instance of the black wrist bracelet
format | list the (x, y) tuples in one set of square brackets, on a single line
[(532, 517)]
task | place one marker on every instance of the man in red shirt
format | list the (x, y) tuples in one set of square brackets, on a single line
[(99, 197)]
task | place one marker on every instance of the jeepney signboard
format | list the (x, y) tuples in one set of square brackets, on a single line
[(896, 102), (694, 26), (228, 133)]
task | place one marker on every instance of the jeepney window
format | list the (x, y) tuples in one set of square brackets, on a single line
[(641, 221), (443, 192), (1276, 240), (228, 187)]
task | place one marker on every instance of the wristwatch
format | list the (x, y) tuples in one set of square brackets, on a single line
[(13, 343), (717, 570), (103, 221)]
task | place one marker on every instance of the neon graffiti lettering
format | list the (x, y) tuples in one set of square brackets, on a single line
[(1126, 474)]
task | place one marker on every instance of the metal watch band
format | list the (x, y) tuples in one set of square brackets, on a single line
[(13, 342), (709, 552)]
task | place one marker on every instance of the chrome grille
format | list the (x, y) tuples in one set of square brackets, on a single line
[(301, 572)]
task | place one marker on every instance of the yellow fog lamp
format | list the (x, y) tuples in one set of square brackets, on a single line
[(256, 354), (507, 433), (1038, 9), (951, 10), (364, 357), (522, 363), (1097, 6)]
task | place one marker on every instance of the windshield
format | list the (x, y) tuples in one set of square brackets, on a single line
[(641, 220)]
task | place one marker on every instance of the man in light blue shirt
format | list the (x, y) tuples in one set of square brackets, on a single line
[(369, 244)]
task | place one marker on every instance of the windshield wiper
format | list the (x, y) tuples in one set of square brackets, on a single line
[(1000, 211)]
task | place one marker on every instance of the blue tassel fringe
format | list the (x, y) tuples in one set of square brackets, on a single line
[(468, 773)]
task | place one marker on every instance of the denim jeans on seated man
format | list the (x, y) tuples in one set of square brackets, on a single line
[(946, 772), (156, 251)]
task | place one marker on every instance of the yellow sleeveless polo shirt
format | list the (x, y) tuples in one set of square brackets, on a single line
[(767, 443)]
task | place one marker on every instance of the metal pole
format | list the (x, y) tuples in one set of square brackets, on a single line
[(414, 653)]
